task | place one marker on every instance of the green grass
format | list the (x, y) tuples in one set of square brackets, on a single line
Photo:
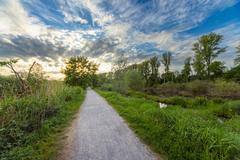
[(191, 131), (31, 125)]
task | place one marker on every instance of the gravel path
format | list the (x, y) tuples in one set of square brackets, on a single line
[(99, 133)]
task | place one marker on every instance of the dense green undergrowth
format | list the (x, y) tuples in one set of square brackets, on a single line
[(189, 129), (31, 124)]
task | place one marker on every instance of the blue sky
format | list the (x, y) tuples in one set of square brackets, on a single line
[(52, 30)]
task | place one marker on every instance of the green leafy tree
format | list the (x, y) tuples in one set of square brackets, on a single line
[(186, 72), (199, 66), (208, 47), (134, 80), (237, 59), (154, 70), (80, 71), (233, 74), (144, 68), (217, 69), (168, 77), (166, 60), (119, 83)]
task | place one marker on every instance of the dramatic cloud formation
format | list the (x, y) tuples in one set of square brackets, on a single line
[(104, 31)]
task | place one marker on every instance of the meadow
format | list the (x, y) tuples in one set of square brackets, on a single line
[(189, 128)]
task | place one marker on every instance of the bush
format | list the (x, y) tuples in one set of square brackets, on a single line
[(107, 87), (228, 110), (134, 80), (21, 118)]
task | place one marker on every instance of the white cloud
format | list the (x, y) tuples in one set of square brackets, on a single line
[(98, 14), (71, 18), (171, 15), (15, 20)]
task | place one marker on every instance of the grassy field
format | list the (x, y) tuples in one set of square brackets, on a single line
[(30, 125), (189, 129)]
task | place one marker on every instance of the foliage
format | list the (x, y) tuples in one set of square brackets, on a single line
[(145, 71), (154, 71), (199, 66), (186, 72), (216, 69), (26, 82), (233, 74), (135, 80), (180, 133), (204, 64), (29, 124), (80, 71), (166, 60), (168, 77), (206, 50), (149, 70), (237, 59)]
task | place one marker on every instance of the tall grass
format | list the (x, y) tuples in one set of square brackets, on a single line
[(28, 121), (180, 133)]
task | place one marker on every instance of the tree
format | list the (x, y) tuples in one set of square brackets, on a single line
[(199, 66), (216, 69), (154, 70), (169, 76), (166, 60), (80, 71), (233, 74), (237, 59), (208, 47), (144, 68), (119, 83), (134, 80), (186, 72)]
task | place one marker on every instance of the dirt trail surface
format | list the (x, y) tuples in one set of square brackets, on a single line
[(99, 133)]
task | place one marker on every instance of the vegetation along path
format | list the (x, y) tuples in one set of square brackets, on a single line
[(99, 133)]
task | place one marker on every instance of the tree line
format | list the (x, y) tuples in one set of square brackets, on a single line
[(202, 66)]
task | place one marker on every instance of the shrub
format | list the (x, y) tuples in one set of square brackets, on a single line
[(20, 118), (134, 80), (228, 110), (107, 87)]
